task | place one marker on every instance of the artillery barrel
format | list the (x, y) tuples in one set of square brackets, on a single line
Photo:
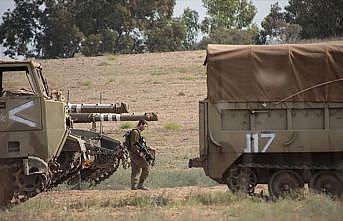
[(95, 117), (117, 108)]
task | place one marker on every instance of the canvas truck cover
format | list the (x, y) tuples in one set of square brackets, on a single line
[(265, 73)]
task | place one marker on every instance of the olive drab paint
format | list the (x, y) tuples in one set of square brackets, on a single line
[(31, 120), (40, 147), (274, 111)]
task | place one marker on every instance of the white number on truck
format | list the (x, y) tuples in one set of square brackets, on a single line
[(253, 142)]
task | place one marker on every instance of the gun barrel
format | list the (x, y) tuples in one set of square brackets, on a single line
[(95, 117), (117, 108)]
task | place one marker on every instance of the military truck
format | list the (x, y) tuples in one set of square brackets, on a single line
[(40, 147), (273, 115)]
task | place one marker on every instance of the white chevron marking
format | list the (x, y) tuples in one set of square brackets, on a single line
[(12, 114)]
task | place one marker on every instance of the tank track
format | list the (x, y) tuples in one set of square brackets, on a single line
[(21, 195), (106, 163), (96, 177)]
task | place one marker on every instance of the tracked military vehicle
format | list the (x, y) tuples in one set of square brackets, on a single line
[(40, 145), (273, 115)]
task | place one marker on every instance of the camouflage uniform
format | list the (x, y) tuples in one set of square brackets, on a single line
[(139, 167)]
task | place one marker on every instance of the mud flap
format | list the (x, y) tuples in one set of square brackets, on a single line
[(196, 162), (33, 165)]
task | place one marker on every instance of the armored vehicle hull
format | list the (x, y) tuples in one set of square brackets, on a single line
[(269, 120)]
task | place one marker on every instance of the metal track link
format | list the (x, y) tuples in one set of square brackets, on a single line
[(113, 160)]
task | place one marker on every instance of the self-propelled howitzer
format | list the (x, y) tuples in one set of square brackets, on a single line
[(40, 146), (104, 161)]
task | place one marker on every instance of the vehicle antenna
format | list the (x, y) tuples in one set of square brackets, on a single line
[(101, 129)]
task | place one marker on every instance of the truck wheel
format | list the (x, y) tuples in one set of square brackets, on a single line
[(284, 182), (327, 182), (6, 189), (241, 180)]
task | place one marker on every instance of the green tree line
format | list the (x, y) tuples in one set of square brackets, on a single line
[(61, 28)]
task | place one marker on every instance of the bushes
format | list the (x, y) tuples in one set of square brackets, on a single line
[(98, 44), (230, 36)]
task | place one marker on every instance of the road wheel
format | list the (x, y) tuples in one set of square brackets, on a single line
[(6, 189), (30, 185), (284, 182), (241, 180), (327, 182)]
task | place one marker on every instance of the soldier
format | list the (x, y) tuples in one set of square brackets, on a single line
[(140, 167)]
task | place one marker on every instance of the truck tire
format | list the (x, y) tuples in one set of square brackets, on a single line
[(327, 182), (284, 182)]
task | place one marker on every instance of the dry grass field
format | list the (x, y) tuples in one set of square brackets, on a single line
[(170, 84)]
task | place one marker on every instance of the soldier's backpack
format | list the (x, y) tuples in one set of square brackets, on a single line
[(127, 137)]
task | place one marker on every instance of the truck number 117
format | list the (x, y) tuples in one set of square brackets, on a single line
[(252, 142)]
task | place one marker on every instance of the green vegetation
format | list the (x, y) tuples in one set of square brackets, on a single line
[(151, 81), (143, 201), (183, 70), (312, 207), (178, 178), (276, 25), (161, 71), (110, 81), (126, 125), (211, 198), (172, 126), (61, 29), (228, 14), (104, 63), (112, 57), (155, 82), (87, 83), (309, 16), (166, 36), (159, 178), (188, 78), (190, 19), (192, 206), (55, 29), (229, 22)]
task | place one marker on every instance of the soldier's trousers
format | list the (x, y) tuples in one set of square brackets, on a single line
[(139, 172)]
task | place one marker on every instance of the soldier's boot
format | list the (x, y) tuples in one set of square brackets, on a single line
[(142, 187), (134, 187)]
